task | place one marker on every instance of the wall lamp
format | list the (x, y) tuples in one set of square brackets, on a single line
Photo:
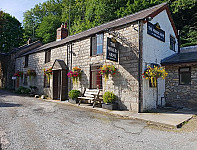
[(148, 19)]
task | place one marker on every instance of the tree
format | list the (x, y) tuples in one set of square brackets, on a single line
[(85, 14), (11, 32), (46, 31), (36, 19), (1, 21), (185, 18)]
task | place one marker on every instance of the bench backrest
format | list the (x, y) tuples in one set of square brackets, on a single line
[(91, 92)]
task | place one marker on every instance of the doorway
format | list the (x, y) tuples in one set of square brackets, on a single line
[(56, 84), (60, 80), (60, 85)]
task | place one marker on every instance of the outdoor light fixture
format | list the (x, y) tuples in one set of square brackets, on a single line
[(148, 18)]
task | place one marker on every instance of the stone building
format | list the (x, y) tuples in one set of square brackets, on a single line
[(8, 60), (181, 83), (129, 43)]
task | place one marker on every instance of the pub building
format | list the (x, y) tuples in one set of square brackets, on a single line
[(130, 44)]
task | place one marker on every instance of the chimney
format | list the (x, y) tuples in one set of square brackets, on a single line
[(62, 32)]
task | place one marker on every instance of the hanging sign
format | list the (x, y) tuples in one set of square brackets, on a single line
[(112, 50), (155, 31)]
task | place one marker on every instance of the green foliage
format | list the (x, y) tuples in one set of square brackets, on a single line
[(73, 94), (185, 17), (23, 90), (109, 97), (10, 32), (42, 21), (46, 31), (1, 22), (38, 23)]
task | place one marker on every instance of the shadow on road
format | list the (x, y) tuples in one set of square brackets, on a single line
[(9, 105)]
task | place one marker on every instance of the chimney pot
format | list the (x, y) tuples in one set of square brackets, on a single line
[(62, 26), (29, 41)]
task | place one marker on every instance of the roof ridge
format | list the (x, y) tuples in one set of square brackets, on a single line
[(111, 24)]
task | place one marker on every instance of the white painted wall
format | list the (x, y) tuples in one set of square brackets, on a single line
[(154, 51)]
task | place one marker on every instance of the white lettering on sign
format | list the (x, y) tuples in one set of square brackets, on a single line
[(157, 33), (112, 44)]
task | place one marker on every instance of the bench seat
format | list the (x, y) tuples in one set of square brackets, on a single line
[(92, 95)]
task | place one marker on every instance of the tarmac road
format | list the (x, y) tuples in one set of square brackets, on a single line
[(31, 124)]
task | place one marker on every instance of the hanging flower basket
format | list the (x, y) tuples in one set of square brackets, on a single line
[(75, 74), (153, 73), (108, 69), (48, 72), (18, 74), (31, 73)]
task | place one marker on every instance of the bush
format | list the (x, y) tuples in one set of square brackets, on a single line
[(23, 90), (109, 97), (73, 94)]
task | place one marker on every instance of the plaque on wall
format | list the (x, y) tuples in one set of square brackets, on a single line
[(112, 50), (155, 31)]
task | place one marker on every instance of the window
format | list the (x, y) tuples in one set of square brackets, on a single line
[(185, 76), (25, 80), (96, 45), (95, 78), (26, 60), (46, 82), (172, 43), (47, 56)]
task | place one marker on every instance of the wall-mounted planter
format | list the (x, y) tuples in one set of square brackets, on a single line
[(110, 106)]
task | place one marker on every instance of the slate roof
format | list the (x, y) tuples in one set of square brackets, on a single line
[(112, 24), (24, 46), (180, 58)]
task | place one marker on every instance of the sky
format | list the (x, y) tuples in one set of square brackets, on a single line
[(16, 8)]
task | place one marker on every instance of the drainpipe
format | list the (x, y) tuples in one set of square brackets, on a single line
[(179, 41), (67, 56), (140, 32), (71, 57)]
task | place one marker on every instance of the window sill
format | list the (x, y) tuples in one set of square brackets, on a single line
[(96, 55)]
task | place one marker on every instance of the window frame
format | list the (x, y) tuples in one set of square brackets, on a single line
[(96, 41), (181, 72), (172, 43), (26, 61), (47, 56), (96, 70)]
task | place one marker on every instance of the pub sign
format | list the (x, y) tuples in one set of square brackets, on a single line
[(156, 32), (112, 50)]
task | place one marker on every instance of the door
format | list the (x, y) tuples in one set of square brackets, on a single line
[(60, 84), (56, 84), (64, 89)]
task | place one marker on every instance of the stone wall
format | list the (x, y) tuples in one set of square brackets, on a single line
[(181, 95), (124, 84)]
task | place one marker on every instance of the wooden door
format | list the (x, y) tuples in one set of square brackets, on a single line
[(64, 85), (60, 84), (56, 84)]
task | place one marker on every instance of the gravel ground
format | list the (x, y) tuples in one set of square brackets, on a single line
[(31, 124)]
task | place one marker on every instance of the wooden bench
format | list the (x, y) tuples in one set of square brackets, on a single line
[(92, 95)]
